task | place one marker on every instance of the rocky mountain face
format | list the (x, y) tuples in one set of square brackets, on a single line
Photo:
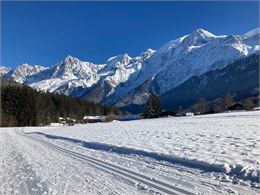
[(4, 70), (240, 78), (126, 81), (21, 73)]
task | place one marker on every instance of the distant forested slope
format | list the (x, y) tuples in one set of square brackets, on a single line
[(24, 106)]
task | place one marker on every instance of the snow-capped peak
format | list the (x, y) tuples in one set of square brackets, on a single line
[(148, 53), (4, 70), (29, 68), (149, 50), (119, 59), (126, 56), (70, 60), (198, 37), (202, 33), (253, 32), (21, 73), (24, 66), (72, 68), (175, 62)]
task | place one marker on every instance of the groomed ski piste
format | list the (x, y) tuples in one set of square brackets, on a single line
[(207, 154)]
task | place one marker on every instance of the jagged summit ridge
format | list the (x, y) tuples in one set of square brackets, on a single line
[(4, 70), (22, 72), (164, 69)]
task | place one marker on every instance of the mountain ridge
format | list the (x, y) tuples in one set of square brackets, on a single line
[(156, 71)]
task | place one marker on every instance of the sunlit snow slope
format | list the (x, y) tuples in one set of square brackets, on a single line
[(121, 77)]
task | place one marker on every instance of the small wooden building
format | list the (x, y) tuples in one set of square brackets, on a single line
[(111, 117), (93, 119), (236, 106), (212, 111), (167, 113)]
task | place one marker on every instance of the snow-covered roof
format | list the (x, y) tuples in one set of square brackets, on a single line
[(92, 117)]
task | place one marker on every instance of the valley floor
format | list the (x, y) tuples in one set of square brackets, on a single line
[(210, 154)]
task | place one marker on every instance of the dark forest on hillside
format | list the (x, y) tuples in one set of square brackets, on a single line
[(24, 106)]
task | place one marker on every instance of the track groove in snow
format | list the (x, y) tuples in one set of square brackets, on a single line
[(230, 138), (229, 141), (159, 185), (204, 166), (19, 173), (53, 172)]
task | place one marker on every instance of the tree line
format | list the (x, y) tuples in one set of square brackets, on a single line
[(221, 104), (23, 106), (153, 108)]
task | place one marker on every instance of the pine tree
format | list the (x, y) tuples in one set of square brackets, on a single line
[(153, 107)]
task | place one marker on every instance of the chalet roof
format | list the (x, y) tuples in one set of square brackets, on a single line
[(235, 106), (93, 117)]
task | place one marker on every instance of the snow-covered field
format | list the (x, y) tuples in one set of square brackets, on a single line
[(210, 154)]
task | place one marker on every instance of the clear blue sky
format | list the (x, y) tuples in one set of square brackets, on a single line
[(46, 32)]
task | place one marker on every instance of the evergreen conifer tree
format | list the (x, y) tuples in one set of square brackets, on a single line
[(153, 107)]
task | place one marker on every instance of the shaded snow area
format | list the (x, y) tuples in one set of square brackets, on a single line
[(210, 154)]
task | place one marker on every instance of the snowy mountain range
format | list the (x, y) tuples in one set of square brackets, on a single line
[(124, 81)]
